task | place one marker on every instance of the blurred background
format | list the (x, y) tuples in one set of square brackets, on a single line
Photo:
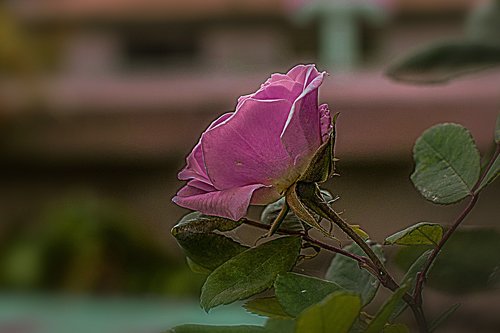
[(100, 102)]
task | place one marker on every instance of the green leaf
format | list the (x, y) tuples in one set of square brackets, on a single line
[(396, 328), (296, 292), (205, 249), (442, 318), (439, 63), (387, 310), (209, 250), (447, 164), (266, 306), (190, 328), (346, 273), (410, 279), (422, 233), (280, 326), (198, 223), (269, 214), (250, 272), (336, 313)]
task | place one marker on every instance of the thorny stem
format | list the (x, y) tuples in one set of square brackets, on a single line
[(421, 277), (381, 272), (363, 261)]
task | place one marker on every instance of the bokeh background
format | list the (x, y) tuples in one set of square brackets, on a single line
[(100, 101)]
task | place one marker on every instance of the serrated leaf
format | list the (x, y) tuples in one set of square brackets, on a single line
[(297, 292), (266, 306), (336, 313), (442, 318), (250, 272), (439, 63), (423, 233), (192, 328), (195, 268), (447, 164), (396, 328), (346, 273), (387, 310)]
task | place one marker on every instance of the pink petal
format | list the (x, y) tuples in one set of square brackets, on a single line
[(303, 73), (195, 164), (232, 203), (302, 133), (247, 148)]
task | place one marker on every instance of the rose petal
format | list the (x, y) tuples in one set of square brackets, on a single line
[(232, 203), (247, 149), (195, 164), (301, 135)]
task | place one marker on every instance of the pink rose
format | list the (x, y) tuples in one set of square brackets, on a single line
[(253, 155)]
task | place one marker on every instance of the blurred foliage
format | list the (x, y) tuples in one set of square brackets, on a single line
[(90, 245), (479, 49), (469, 261)]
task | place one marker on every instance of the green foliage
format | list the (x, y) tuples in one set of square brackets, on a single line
[(447, 164), (410, 279), (297, 292), (346, 273), (336, 313), (387, 310), (468, 262), (205, 249), (439, 63), (422, 233), (250, 272), (442, 318), (491, 175), (290, 222), (266, 306)]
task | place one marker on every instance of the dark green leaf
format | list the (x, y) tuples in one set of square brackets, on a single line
[(280, 326), (387, 310), (396, 328), (410, 279), (422, 233), (250, 272), (346, 273), (439, 63), (196, 222), (266, 306), (296, 292), (336, 313), (269, 214), (217, 329), (442, 318), (205, 249), (209, 250), (447, 163)]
